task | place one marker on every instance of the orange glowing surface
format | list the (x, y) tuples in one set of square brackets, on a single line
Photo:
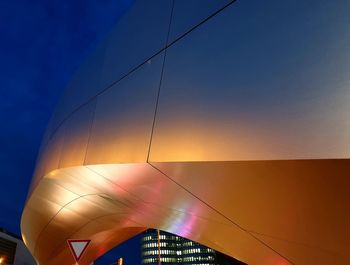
[(210, 139)]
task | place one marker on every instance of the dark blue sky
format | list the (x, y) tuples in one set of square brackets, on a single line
[(42, 44)]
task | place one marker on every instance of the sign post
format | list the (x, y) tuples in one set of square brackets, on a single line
[(77, 247)]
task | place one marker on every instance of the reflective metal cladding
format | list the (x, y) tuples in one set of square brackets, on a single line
[(226, 123)]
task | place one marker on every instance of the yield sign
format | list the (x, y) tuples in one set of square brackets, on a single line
[(78, 247)]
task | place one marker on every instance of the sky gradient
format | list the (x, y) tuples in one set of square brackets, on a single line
[(42, 44)]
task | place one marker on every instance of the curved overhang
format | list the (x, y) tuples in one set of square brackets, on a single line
[(237, 141)]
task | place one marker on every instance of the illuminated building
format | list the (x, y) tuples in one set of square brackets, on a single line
[(13, 251), (223, 122), (196, 254), (178, 250), (170, 248)]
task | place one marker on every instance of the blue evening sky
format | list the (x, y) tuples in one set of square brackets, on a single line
[(42, 43)]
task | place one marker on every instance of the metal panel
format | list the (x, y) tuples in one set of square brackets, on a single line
[(243, 89), (303, 253), (148, 184), (189, 13), (85, 84), (140, 34), (235, 88), (76, 136), (49, 198), (289, 205), (60, 228), (163, 204), (124, 116), (49, 157)]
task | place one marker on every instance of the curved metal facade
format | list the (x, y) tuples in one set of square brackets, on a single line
[(225, 122)]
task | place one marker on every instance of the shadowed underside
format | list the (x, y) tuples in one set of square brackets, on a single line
[(226, 130)]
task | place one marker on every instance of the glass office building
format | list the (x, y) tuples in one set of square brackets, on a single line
[(172, 250), (170, 247)]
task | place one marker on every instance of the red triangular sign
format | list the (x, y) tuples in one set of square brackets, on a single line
[(78, 247)]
